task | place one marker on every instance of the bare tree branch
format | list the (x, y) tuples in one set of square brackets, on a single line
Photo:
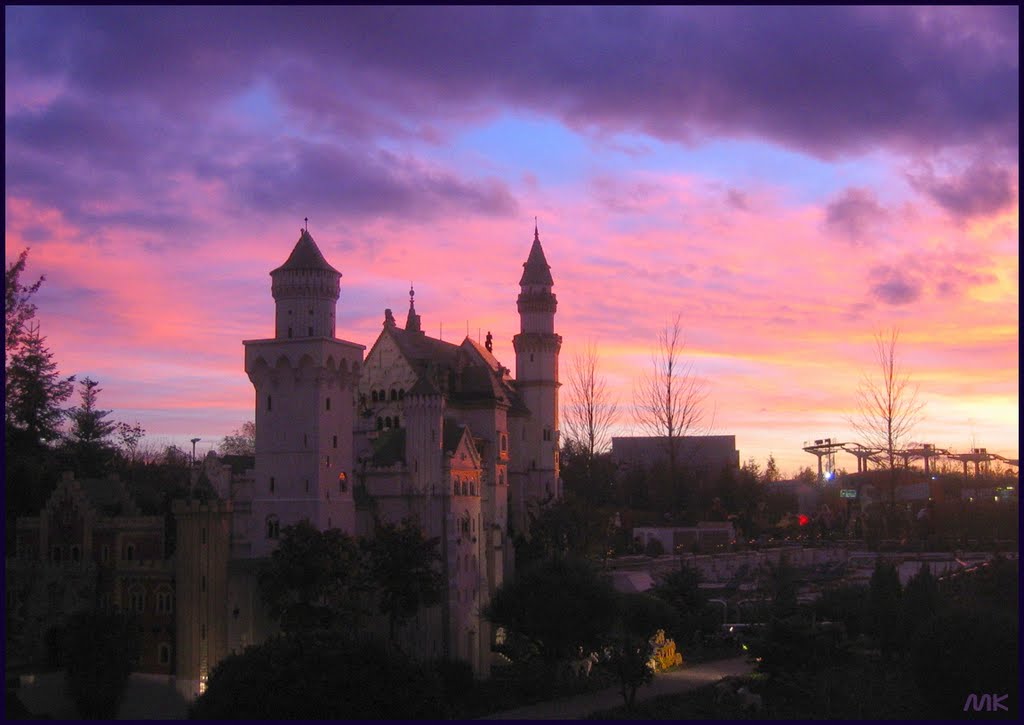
[(669, 401), (888, 408), (590, 411)]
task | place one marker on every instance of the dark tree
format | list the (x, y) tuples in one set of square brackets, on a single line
[(314, 579), (884, 595), (99, 649), (319, 675), (559, 604), (921, 601), (240, 442), (18, 306), (88, 444), (406, 569), (681, 590), (34, 392)]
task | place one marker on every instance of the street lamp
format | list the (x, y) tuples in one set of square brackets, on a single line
[(194, 441)]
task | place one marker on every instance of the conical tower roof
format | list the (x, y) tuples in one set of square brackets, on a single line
[(306, 256), (536, 269)]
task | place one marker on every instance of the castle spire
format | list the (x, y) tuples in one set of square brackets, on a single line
[(412, 322), (536, 270)]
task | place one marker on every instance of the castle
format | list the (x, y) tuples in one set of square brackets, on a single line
[(420, 428)]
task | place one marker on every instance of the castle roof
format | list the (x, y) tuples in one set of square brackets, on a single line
[(306, 256), (536, 269)]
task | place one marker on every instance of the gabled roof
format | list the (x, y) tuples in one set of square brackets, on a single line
[(536, 269), (306, 256)]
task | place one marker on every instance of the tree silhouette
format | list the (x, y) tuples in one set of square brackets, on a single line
[(590, 411)]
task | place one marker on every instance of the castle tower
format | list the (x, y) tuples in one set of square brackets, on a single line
[(305, 386), (535, 444)]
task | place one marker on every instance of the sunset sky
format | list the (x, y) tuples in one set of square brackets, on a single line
[(789, 181)]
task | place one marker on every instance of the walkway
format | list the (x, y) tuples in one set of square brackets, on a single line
[(669, 683)]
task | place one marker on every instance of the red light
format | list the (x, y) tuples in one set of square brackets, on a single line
[(802, 520)]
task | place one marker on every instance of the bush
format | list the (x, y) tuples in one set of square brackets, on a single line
[(98, 652), (319, 675), (962, 652), (654, 548)]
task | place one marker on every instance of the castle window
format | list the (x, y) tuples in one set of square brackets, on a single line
[(394, 394), (327, 461), (104, 553), (373, 395), (55, 554), (335, 441), (329, 522), (387, 422), (164, 653), (269, 403), (401, 393), (202, 583), (455, 489), (472, 488), (289, 333), (311, 332), (76, 554), (307, 485), (328, 401), (531, 357), (504, 443), (129, 552), (305, 440), (164, 602), (342, 482), (396, 421), (273, 527), (271, 484), (382, 396), (202, 631), (136, 600), (380, 424)]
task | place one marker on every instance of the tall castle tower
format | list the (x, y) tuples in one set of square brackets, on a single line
[(535, 448), (305, 386)]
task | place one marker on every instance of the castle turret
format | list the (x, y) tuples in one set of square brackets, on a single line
[(305, 385), (535, 448)]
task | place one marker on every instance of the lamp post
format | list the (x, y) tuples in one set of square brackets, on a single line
[(194, 441)]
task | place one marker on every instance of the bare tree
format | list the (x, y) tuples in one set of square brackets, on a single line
[(668, 402), (888, 407), (591, 410)]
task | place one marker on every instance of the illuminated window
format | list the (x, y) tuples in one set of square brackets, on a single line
[(343, 482)]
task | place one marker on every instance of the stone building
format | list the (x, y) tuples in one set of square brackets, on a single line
[(421, 428), (90, 548)]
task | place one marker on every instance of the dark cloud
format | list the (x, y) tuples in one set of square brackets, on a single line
[(371, 183), (854, 214), (894, 286), (982, 188), (828, 81)]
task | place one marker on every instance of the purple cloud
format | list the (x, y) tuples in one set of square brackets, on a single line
[(854, 214), (828, 81), (982, 188), (894, 286)]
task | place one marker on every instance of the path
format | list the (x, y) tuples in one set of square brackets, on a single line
[(669, 683)]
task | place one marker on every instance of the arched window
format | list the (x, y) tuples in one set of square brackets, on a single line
[(387, 422), (136, 600), (401, 393), (472, 488), (55, 554), (289, 332), (273, 527), (380, 424), (164, 653), (455, 488), (373, 395), (381, 395), (394, 394), (76, 554), (396, 422), (465, 489), (342, 482), (504, 442)]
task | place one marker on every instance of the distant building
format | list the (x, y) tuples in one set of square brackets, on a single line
[(90, 549), (701, 455)]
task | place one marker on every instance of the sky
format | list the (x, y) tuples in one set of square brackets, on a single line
[(788, 181)]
